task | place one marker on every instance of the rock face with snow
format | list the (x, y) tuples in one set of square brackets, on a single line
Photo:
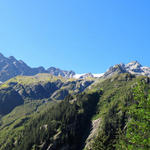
[(133, 67)]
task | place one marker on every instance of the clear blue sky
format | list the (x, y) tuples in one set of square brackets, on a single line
[(82, 35)]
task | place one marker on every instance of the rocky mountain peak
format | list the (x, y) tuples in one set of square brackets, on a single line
[(133, 67), (133, 64), (116, 69), (12, 58)]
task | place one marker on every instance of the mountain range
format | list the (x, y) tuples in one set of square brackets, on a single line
[(11, 67), (133, 67)]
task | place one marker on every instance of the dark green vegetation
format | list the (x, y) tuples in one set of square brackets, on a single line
[(111, 114)]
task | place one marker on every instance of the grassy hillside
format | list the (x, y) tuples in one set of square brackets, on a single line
[(23, 89)]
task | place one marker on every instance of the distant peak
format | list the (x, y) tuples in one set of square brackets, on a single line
[(12, 58), (134, 63)]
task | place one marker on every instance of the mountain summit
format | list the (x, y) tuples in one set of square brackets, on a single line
[(133, 67)]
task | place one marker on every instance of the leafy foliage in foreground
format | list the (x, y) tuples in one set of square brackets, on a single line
[(137, 134)]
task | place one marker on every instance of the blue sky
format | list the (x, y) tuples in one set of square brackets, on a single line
[(79, 35)]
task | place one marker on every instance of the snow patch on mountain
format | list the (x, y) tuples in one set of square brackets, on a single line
[(98, 75), (85, 75)]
